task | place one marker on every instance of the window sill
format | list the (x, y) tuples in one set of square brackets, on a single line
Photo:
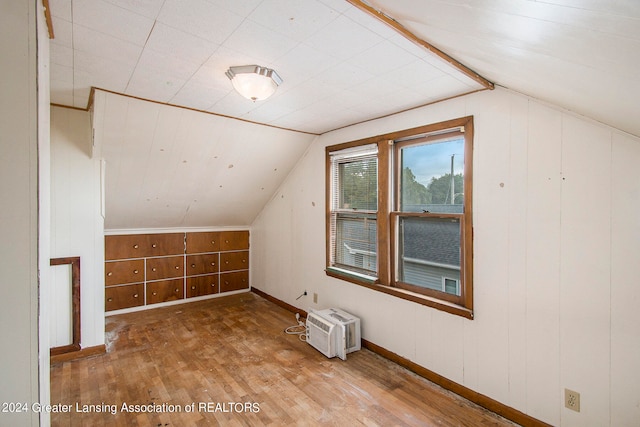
[(350, 276), (371, 283)]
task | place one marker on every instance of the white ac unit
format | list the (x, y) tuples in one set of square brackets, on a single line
[(333, 332)]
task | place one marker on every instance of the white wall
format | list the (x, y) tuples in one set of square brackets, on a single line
[(44, 210), (556, 261), (19, 214), (77, 226)]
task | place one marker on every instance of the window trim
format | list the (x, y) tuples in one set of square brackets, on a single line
[(387, 219)]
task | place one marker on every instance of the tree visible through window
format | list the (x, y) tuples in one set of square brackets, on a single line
[(400, 214)]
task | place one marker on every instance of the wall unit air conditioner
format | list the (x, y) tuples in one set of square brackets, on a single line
[(333, 332)]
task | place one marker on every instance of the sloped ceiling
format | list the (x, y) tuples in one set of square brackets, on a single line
[(340, 66), (583, 55), (174, 167)]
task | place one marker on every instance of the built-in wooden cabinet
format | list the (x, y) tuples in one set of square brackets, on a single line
[(145, 269)]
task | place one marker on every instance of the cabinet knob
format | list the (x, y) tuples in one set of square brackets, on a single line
[(226, 262), (226, 241), (154, 246), (135, 295), (213, 242), (244, 260), (226, 282), (213, 263), (109, 299), (244, 280), (193, 287), (110, 273), (213, 285), (135, 271), (155, 293), (177, 267), (193, 266), (176, 290), (135, 246), (153, 269)]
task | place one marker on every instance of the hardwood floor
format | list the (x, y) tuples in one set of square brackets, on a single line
[(229, 362)]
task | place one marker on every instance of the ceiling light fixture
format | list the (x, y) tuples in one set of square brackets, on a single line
[(253, 81)]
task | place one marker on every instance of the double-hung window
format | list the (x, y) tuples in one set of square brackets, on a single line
[(399, 218), (353, 211)]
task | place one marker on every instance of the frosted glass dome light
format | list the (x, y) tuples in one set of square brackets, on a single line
[(253, 81)]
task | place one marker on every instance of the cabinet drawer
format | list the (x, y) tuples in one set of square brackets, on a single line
[(127, 296), (203, 242), (234, 281), (202, 285), (120, 272), (202, 264), (234, 240), (165, 244), (124, 246), (143, 245), (234, 261), (164, 290), (165, 268)]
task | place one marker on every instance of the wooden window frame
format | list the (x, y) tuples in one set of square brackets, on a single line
[(387, 220)]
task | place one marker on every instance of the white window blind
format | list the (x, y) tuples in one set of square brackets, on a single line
[(354, 204)]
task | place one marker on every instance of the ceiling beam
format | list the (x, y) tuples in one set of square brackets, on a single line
[(380, 15), (47, 15)]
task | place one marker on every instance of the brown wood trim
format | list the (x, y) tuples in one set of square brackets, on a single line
[(278, 302), (378, 14), (475, 397), (53, 104), (467, 261), (382, 223), (47, 15), (91, 100), (438, 304), (80, 354), (75, 304)]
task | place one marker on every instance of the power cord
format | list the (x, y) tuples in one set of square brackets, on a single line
[(300, 329)]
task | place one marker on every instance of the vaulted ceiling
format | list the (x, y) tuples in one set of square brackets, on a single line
[(341, 64)]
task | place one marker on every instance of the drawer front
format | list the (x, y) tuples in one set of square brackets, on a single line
[(165, 268), (202, 264), (230, 261), (234, 240), (234, 281), (124, 246), (203, 242), (164, 244), (120, 272), (143, 245), (202, 285), (164, 290), (127, 296)]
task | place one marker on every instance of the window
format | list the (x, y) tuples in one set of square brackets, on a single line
[(353, 210), (399, 217)]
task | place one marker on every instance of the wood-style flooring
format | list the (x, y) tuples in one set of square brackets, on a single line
[(229, 362)]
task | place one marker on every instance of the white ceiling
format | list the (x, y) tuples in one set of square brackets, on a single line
[(175, 167), (340, 66), (583, 55)]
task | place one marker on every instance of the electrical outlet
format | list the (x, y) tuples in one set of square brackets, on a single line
[(315, 298), (572, 400)]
